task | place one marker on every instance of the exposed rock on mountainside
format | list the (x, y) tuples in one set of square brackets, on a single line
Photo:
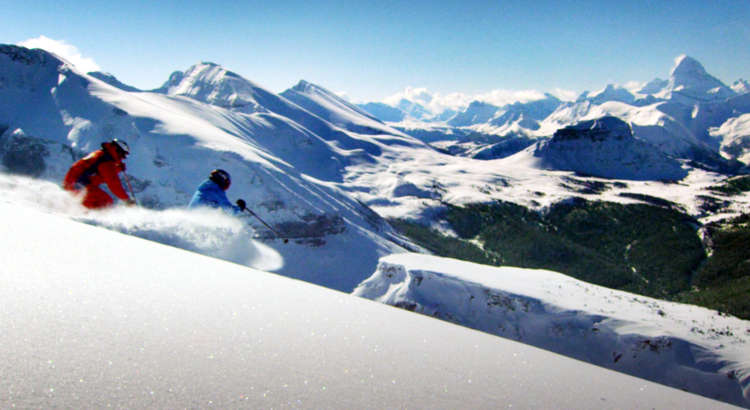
[(605, 147)]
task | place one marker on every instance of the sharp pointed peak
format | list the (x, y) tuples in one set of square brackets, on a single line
[(686, 65)]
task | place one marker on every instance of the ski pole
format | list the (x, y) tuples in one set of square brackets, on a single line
[(267, 226), (130, 187)]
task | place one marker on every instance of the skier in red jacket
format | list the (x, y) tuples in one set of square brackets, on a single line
[(101, 166)]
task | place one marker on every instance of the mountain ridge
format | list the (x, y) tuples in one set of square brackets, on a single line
[(675, 115)]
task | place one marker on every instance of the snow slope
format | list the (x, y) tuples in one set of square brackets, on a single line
[(95, 319), (687, 347), (286, 172), (735, 137), (334, 109)]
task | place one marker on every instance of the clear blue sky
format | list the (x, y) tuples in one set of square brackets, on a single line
[(374, 49)]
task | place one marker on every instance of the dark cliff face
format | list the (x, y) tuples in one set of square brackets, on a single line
[(28, 56), (597, 130), (30, 69)]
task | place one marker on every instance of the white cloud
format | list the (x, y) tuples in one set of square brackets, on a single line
[(504, 97), (419, 95), (633, 86), (564, 95), (454, 101), (344, 96), (66, 51), (437, 103)]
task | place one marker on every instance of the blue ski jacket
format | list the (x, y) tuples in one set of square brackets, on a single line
[(210, 194)]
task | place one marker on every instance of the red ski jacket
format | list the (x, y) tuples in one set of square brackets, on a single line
[(93, 170)]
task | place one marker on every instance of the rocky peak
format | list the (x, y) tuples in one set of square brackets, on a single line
[(303, 86), (690, 80), (606, 148), (741, 86), (688, 67), (27, 56), (596, 130)]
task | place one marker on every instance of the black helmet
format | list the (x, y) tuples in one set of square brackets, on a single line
[(221, 178), (122, 147)]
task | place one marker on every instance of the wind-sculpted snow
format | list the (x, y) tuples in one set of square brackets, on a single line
[(682, 346)]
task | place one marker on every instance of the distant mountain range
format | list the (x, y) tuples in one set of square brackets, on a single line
[(692, 115)]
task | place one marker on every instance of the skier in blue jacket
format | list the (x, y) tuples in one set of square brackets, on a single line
[(211, 193)]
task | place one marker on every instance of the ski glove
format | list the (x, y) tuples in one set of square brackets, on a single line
[(241, 204)]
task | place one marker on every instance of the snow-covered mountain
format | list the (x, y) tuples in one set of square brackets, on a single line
[(689, 82), (741, 86), (413, 109), (295, 168), (609, 93), (405, 111), (517, 121), (476, 113), (734, 135), (113, 81), (604, 147), (653, 86), (536, 110), (686, 347), (51, 114), (336, 110), (676, 116)]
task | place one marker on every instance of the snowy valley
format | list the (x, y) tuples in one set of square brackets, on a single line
[(340, 181)]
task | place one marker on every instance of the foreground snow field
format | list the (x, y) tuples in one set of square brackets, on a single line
[(683, 346), (93, 319)]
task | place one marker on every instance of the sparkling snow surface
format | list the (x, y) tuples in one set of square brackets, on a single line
[(683, 346), (93, 319), (687, 347)]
